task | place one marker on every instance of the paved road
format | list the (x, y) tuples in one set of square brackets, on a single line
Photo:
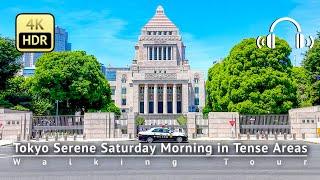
[(161, 167)]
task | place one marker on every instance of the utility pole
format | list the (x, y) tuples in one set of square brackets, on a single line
[(57, 108)]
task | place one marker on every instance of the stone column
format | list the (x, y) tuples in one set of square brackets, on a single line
[(136, 99), (131, 126), (185, 98), (165, 109), (146, 103), (152, 47), (174, 99), (155, 99), (191, 124)]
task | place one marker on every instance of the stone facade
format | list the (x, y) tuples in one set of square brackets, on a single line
[(99, 125), (305, 121), (160, 80), (219, 125), (14, 123)]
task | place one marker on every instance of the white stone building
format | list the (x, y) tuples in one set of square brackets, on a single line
[(159, 80)]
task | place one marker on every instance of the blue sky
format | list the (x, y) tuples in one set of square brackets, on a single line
[(110, 29)]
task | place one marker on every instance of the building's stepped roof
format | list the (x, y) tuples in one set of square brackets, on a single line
[(160, 20)]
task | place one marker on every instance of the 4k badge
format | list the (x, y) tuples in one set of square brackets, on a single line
[(35, 32)]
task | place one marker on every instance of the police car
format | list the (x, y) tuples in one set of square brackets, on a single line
[(162, 134)]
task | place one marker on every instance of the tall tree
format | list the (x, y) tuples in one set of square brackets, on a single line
[(311, 63), (10, 62), (74, 79), (252, 80), (306, 93)]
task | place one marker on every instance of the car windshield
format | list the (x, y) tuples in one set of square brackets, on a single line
[(157, 130)]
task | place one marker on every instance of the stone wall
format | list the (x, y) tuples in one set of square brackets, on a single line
[(219, 126), (14, 123), (305, 120), (191, 124), (99, 125), (131, 127)]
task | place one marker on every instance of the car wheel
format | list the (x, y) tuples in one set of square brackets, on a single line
[(149, 139), (179, 139)]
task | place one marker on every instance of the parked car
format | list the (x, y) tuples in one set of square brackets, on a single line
[(162, 134)]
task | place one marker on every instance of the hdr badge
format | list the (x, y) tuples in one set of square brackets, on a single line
[(35, 32)]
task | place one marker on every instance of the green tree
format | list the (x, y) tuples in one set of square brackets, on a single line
[(311, 63), (72, 78), (10, 62), (17, 92), (252, 80), (305, 90), (140, 121), (182, 120)]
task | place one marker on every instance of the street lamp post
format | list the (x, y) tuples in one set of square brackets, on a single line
[(57, 112), (57, 108)]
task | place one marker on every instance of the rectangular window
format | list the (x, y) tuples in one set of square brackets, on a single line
[(196, 101), (113, 91), (124, 102), (169, 53), (150, 90), (196, 90), (155, 51), (164, 50), (160, 53), (150, 53), (123, 90)]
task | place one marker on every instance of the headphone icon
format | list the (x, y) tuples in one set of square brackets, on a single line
[(301, 41)]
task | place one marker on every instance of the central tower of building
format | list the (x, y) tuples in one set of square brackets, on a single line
[(160, 44), (160, 80)]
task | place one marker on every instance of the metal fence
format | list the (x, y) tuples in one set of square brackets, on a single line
[(70, 124), (271, 124)]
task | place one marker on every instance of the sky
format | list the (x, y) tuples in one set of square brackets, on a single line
[(210, 28)]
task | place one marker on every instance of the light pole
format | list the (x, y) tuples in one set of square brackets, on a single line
[(57, 107), (57, 111)]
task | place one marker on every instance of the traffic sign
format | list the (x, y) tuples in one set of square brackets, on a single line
[(35, 32), (232, 122)]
